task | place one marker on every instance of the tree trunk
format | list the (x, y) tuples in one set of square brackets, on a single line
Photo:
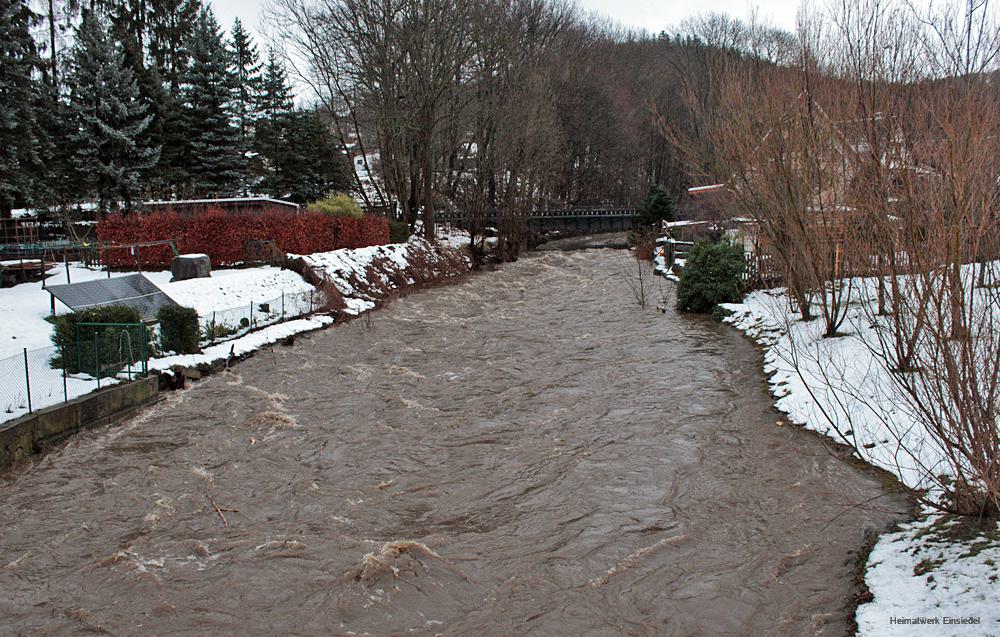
[(428, 189), (52, 44)]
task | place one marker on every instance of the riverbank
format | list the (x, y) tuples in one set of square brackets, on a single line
[(933, 568)]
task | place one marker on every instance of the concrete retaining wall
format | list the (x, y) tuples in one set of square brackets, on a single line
[(30, 434)]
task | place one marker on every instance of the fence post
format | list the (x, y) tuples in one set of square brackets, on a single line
[(282, 305), (310, 301), (62, 355), (27, 378), (251, 315), (97, 356)]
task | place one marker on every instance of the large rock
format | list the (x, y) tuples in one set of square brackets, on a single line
[(191, 266)]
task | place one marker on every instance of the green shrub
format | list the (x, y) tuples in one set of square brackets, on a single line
[(94, 349), (399, 231), (337, 205), (214, 331), (179, 329), (658, 206), (712, 275)]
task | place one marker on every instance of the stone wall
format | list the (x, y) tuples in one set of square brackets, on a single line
[(31, 433)]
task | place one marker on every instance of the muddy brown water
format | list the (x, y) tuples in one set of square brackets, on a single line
[(525, 453)]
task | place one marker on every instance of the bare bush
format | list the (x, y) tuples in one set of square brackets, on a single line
[(870, 160)]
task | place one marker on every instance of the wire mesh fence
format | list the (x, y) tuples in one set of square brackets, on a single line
[(105, 350), (36, 378), (101, 355), (233, 322), (104, 353)]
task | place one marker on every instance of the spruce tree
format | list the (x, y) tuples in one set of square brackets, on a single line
[(129, 27), (215, 161), (658, 206), (171, 23), (169, 32), (308, 164), (19, 155), (55, 127), (274, 113), (247, 69), (110, 150)]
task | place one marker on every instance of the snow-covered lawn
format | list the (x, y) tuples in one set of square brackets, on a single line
[(25, 307), (840, 387), (231, 288)]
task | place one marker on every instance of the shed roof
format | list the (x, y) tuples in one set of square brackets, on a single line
[(133, 290)]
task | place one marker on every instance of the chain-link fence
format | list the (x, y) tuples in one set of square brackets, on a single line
[(101, 355), (104, 354), (221, 325)]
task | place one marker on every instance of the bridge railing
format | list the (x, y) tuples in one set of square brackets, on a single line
[(552, 213)]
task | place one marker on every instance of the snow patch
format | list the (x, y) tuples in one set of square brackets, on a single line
[(840, 388)]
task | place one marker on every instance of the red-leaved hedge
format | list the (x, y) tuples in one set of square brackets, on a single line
[(222, 236)]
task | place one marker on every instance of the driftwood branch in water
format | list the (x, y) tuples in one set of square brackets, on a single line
[(220, 510)]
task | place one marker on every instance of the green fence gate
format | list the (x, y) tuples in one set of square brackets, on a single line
[(104, 350)]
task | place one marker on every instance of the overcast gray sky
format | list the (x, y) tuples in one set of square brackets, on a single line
[(653, 15)]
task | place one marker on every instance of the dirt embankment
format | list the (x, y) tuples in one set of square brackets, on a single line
[(357, 281)]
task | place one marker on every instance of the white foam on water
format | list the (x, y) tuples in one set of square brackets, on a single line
[(635, 558)]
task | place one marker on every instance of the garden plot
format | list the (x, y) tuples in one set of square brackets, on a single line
[(25, 308)]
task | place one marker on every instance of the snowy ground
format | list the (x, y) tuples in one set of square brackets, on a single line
[(452, 237), (660, 265), (24, 308), (924, 572), (839, 387)]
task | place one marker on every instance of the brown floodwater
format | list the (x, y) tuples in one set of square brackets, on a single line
[(525, 453)]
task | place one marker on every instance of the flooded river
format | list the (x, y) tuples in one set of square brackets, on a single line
[(524, 453)]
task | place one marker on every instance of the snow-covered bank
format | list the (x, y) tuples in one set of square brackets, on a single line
[(840, 387), (242, 345), (930, 570), (364, 277)]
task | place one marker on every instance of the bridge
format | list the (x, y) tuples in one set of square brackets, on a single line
[(572, 220)]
